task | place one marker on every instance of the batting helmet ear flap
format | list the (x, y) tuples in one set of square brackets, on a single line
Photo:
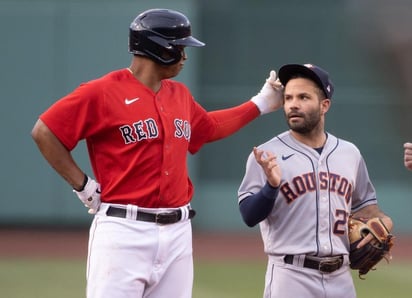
[(155, 48), (165, 56), (160, 41)]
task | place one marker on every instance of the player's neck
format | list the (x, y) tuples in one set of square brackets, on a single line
[(312, 139), (142, 70)]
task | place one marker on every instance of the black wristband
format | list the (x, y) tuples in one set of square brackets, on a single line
[(86, 178)]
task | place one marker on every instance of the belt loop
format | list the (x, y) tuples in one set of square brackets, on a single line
[(131, 211), (299, 260), (103, 208), (185, 213)]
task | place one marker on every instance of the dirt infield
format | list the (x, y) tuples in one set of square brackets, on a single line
[(42, 243)]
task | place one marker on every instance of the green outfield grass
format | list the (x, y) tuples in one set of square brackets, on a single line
[(245, 280), (39, 278)]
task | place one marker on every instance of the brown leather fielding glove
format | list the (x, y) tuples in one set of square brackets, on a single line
[(366, 257)]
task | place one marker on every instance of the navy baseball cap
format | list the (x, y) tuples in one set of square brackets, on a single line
[(313, 72)]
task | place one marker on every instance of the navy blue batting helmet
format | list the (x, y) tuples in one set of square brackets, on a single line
[(159, 35)]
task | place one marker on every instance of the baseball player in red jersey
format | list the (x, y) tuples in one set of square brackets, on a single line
[(139, 125)]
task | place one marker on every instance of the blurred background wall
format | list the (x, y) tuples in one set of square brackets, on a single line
[(49, 47)]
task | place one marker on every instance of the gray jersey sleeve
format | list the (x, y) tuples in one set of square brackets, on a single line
[(364, 193), (253, 180)]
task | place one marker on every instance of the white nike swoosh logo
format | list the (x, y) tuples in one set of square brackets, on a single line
[(129, 101)]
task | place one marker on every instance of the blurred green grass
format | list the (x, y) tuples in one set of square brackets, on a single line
[(51, 278), (42, 278)]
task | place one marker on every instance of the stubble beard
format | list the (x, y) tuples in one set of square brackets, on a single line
[(310, 122)]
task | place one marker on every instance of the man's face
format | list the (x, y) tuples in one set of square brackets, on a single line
[(304, 105)]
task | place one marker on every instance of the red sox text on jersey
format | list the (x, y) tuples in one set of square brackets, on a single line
[(148, 129)]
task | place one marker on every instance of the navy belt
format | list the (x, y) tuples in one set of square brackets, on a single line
[(162, 218), (323, 264)]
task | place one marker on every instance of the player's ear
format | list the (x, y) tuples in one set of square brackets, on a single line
[(325, 105)]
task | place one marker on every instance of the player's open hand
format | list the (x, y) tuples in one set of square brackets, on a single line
[(267, 160), (408, 156), (270, 97)]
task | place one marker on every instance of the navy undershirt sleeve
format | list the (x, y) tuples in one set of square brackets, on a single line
[(257, 207)]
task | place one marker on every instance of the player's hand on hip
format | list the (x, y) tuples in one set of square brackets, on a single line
[(408, 156), (90, 195), (270, 97), (267, 160)]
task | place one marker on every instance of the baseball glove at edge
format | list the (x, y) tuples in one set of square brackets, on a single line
[(366, 257)]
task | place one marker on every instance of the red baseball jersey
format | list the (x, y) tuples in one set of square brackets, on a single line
[(138, 139)]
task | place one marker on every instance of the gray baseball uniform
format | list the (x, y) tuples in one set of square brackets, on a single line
[(310, 213)]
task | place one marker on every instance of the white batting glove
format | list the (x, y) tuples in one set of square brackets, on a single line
[(270, 97), (90, 195)]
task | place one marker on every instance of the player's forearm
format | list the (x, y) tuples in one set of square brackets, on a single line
[(372, 211), (257, 207), (229, 121), (57, 155), (369, 211)]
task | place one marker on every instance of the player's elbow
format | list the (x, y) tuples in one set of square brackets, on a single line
[(248, 217), (36, 132), (41, 134), (249, 223)]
